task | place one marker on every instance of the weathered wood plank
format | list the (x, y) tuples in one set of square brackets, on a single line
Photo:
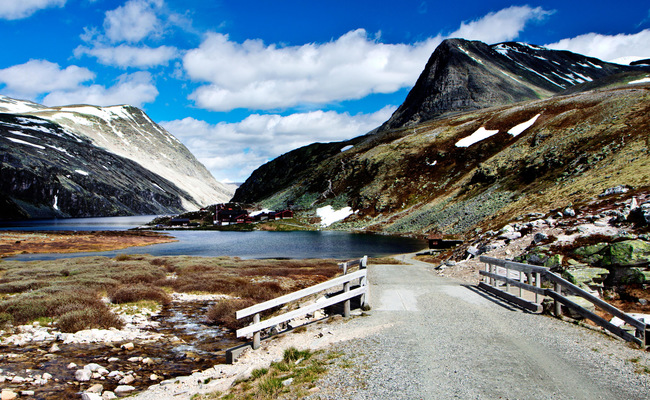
[(513, 265), (301, 311), (595, 318), (300, 294), (534, 307), (570, 287), (516, 283)]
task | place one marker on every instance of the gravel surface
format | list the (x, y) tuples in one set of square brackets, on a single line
[(431, 337), (456, 342)]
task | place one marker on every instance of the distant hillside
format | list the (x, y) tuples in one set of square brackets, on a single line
[(444, 168), (132, 165)]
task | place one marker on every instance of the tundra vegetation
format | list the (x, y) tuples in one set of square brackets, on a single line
[(71, 292)]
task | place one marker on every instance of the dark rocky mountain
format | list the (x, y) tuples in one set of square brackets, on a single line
[(464, 75), (467, 157), (46, 171), (95, 161)]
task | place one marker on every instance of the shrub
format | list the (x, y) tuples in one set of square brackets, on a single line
[(133, 293), (5, 319), (77, 320), (223, 313)]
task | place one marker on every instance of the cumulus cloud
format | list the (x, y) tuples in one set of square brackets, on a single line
[(134, 89), (261, 77), (40, 76), (129, 56), (232, 151), (17, 9), (134, 21), (612, 48), (500, 26), (255, 76)]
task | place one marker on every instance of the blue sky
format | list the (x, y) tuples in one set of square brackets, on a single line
[(241, 82)]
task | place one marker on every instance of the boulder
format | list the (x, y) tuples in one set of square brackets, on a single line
[(90, 396), (628, 253), (97, 388), (569, 212), (588, 277), (83, 375)]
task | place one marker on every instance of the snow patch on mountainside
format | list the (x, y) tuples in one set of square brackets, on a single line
[(480, 134), (328, 215), (517, 129)]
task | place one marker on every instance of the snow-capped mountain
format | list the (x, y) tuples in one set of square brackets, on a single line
[(463, 75), (487, 133), (122, 140)]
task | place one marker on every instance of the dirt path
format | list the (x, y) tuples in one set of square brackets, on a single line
[(444, 339)]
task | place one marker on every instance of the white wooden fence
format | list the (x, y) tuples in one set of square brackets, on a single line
[(257, 326), (498, 271)]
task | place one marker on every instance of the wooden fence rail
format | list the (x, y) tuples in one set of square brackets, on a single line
[(534, 276), (257, 326)]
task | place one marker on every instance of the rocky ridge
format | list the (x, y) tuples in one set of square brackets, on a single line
[(110, 141)]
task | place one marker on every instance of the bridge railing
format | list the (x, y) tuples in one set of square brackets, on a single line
[(257, 326), (504, 274)]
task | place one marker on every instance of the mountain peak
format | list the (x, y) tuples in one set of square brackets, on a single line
[(464, 75)]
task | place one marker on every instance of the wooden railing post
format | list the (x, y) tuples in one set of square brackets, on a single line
[(256, 335), (558, 305), (538, 284), (507, 282), (346, 304), (493, 269)]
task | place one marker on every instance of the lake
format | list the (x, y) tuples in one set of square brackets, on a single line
[(255, 244)]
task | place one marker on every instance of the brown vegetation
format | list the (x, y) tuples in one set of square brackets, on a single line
[(14, 242), (68, 290)]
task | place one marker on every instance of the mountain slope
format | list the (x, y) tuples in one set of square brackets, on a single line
[(128, 132), (464, 75), (460, 170), (47, 171)]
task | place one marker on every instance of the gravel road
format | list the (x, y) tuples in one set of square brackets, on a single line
[(441, 339), (432, 337)]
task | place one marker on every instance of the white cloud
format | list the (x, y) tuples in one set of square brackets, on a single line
[(257, 76), (130, 56), (134, 89), (233, 150), (41, 76), (17, 9), (134, 21), (608, 47), (500, 26)]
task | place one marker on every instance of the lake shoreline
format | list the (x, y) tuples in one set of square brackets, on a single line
[(13, 243)]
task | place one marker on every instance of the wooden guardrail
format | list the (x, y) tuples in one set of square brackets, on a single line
[(534, 276), (257, 326)]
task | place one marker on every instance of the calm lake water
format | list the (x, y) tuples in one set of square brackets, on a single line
[(256, 244)]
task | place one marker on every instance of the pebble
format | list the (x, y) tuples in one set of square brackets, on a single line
[(124, 390)]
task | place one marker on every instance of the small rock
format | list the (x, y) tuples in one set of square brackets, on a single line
[(134, 359), (473, 250), (153, 377), (90, 396), (128, 346), (96, 388), (147, 361), (540, 237), (47, 376), (643, 302), (113, 359), (27, 393), (92, 367), (315, 389), (71, 366), (54, 349), (287, 382), (569, 212), (123, 390), (108, 395), (83, 375), (8, 394), (127, 380)]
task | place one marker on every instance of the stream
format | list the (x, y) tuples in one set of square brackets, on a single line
[(188, 345)]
